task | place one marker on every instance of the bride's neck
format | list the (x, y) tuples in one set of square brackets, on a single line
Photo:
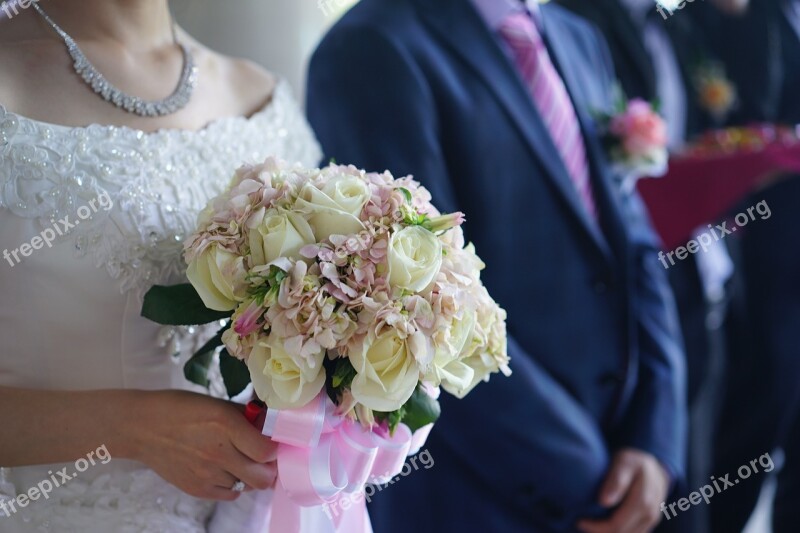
[(137, 24)]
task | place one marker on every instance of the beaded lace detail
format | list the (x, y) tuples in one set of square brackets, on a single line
[(123, 502), (158, 182)]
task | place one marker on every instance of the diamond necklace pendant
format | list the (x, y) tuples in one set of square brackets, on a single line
[(132, 104)]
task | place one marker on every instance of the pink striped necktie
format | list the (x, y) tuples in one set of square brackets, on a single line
[(552, 100)]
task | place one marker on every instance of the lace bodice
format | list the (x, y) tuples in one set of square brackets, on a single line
[(157, 181), (90, 218), (118, 501)]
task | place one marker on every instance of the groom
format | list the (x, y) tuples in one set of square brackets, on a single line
[(488, 103)]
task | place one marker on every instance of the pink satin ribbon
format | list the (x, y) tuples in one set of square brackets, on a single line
[(324, 459)]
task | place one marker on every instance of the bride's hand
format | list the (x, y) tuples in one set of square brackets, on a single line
[(200, 444)]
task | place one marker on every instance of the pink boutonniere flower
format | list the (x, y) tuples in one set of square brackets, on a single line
[(635, 137)]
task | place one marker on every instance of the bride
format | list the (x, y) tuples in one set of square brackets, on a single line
[(116, 128)]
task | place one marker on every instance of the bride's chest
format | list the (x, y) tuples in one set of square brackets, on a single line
[(124, 199)]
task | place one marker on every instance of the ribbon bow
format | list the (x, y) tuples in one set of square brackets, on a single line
[(323, 459)]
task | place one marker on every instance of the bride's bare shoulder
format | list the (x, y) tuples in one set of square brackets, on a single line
[(15, 60), (241, 80), (33, 64), (253, 83)]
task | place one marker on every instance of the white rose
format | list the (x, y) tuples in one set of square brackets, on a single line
[(335, 210), (281, 381), (275, 234), (218, 276), (415, 257), (448, 369), (387, 372), (486, 352)]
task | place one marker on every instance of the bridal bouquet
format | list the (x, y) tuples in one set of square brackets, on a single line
[(344, 296)]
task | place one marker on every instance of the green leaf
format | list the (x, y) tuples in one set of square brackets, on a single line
[(393, 419), (407, 194), (657, 106), (344, 373), (420, 410), (620, 98), (178, 305), (234, 373), (212, 343), (196, 368)]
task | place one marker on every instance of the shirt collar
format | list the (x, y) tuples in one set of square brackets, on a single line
[(494, 12)]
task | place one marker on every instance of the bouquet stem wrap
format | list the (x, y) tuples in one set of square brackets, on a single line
[(324, 458)]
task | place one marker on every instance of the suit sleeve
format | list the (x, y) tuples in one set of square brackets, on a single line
[(658, 417), (371, 106), (656, 422)]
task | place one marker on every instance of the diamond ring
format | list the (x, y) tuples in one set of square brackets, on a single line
[(239, 486)]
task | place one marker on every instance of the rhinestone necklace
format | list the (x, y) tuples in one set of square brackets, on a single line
[(132, 104)]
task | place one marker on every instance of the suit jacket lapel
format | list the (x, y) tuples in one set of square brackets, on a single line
[(457, 23)]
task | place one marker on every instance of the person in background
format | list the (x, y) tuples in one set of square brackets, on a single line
[(662, 55), (761, 410), (487, 103)]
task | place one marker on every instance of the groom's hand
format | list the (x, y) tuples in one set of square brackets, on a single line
[(636, 485)]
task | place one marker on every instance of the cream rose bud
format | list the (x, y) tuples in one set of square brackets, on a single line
[(447, 368), (351, 193), (336, 209), (487, 352), (275, 234), (483, 366), (415, 257), (282, 381), (387, 372), (218, 276)]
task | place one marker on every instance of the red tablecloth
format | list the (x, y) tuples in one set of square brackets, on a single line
[(699, 190)]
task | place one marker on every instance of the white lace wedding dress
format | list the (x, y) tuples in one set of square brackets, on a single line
[(69, 314)]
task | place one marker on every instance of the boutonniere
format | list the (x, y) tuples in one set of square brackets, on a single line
[(635, 139), (715, 92)]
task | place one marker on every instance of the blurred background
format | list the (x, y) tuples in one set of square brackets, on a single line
[(278, 34)]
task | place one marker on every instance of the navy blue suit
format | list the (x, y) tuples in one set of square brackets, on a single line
[(423, 87), (639, 78)]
